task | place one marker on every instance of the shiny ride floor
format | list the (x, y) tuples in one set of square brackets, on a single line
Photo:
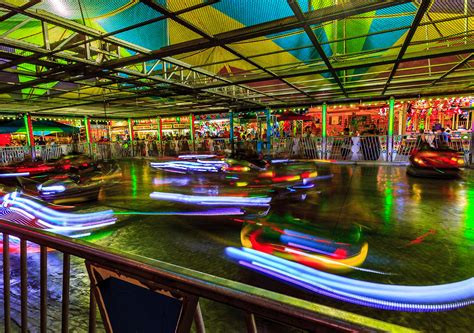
[(419, 231)]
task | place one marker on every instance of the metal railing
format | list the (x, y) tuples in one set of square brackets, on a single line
[(252, 301), (366, 148), (13, 154), (373, 148)]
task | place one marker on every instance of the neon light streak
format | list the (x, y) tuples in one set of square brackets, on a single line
[(188, 166), (286, 179), (52, 188), (57, 219), (211, 200), (210, 212), (14, 174), (134, 179), (389, 297), (194, 156)]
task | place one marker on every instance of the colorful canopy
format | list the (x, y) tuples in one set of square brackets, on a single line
[(40, 127), (129, 58)]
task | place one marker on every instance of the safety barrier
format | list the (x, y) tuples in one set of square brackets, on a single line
[(375, 148), (366, 148), (252, 302), (13, 154)]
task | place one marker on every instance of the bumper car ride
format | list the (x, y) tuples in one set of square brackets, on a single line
[(443, 164)]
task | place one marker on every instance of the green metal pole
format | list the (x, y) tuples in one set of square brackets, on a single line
[(391, 120), (29, 134), (324, 129), (191, 129), (130, 130), (87, 125)]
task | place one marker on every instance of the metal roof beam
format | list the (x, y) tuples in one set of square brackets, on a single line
[(458, 65), (164, 11), (411, 32), (13, 13), (361, 63), (314, 17), (295, 7)]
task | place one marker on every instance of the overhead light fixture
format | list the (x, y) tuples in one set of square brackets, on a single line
[(59, 6)]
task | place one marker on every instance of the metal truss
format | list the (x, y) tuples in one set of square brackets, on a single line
[(91, 72)]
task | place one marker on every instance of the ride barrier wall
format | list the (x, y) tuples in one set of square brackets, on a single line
[(372, 148), (198, 291)]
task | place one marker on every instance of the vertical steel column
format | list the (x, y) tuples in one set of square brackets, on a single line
[(324, 129), (231, 131), (30, 135), (24, 286), (131, 135), (269, 131), (6, 282), (159, 132), (391, 120), (87, 126), (191, 129), (158, 128)]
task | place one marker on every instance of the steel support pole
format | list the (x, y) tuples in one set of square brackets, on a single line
[(87, 126), (231, 131), (391, 120), (30, 135), (131, 135), (269, 131), (324, 129), (191, 129)]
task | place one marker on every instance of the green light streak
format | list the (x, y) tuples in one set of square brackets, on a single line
[(388, 202), (133, 176), (469, 215)]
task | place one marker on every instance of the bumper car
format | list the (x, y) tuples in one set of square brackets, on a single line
[(39, 170), (430, 163), (306, 249), (19, 208), (78, 187)]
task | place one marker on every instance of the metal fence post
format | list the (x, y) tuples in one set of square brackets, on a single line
[(471, 149)]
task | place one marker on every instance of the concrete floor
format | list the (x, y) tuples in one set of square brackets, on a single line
[(391, 209), (420, 231)]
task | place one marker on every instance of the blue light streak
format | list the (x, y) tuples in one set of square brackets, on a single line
[(390, 297)]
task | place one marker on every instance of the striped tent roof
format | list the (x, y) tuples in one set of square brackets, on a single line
[(122, 58)]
